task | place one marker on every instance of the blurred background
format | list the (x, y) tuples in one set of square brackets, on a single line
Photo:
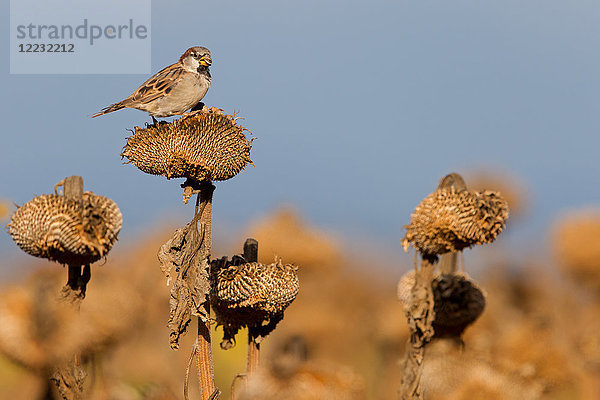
[(359, 108)]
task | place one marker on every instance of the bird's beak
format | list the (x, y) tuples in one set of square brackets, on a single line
[(206, 61)]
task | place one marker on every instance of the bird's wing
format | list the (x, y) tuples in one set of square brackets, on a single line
[(159, 85)]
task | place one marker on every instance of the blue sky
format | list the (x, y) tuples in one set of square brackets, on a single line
[(359, 108)]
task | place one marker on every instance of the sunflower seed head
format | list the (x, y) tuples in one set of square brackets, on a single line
[(452, 220), (205, 145), (65, 230), (458, 301), (251, 295)]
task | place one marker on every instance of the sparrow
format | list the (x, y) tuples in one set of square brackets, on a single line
[(173, 90)]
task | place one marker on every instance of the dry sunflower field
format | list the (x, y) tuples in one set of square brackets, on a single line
[(332, 200), (346, 334)]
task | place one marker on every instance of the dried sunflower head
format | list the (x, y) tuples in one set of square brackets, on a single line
[(205, 145), (458, 301), (65, 230), (450, 219), (251, 295)]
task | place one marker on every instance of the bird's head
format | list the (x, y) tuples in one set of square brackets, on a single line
[(195, 57)]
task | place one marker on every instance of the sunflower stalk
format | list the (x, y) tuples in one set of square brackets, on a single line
[(70, 375), (251, 255), (420, 314), (204, 352)]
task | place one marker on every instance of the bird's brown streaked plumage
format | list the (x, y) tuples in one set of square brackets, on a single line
[(174, 89)]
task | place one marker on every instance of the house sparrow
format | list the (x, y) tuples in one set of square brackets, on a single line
[(173, 90)]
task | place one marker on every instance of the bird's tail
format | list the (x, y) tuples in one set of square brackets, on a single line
[(109, 109)]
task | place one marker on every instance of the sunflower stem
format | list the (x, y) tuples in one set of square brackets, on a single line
[(251, 255), (69, 376), (420, 314), (204, 352)]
